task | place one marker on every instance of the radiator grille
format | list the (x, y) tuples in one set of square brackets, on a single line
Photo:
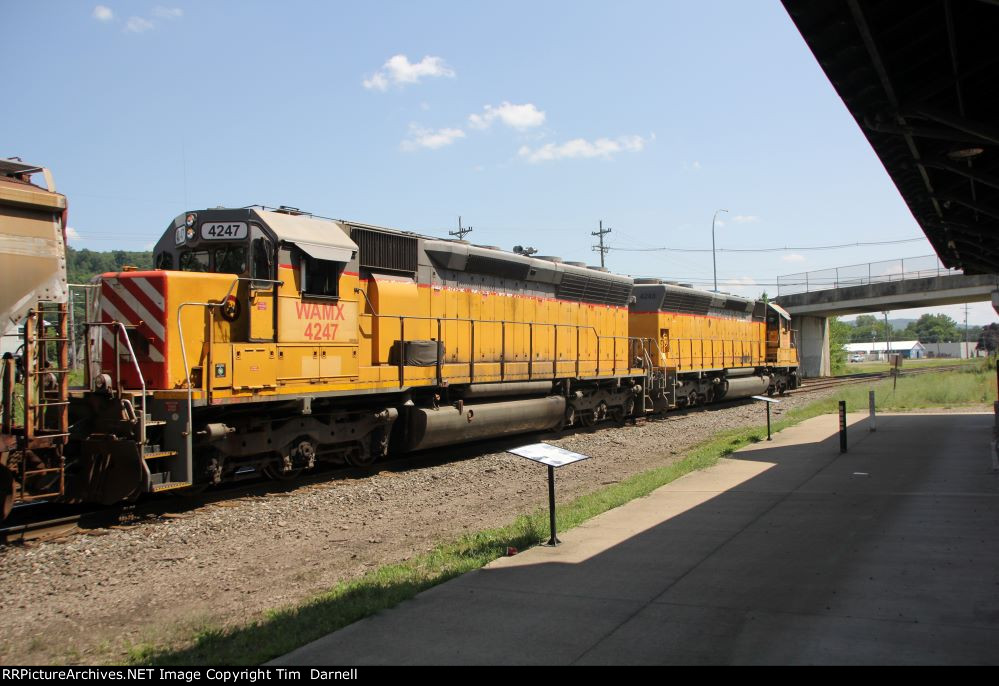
[(589, 289), (385, 251)]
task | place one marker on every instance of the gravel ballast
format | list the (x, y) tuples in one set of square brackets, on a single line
[(89, 597)]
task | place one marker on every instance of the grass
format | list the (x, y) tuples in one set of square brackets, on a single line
[(283, 630), (860, 367), (974, 384)]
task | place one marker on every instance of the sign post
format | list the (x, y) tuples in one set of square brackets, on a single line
[(842, 426), (768, 401), (552, 457)]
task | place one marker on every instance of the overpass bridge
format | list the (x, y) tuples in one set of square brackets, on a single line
[(811, 298)]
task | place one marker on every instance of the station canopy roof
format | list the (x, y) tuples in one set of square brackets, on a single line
[(922, 81)]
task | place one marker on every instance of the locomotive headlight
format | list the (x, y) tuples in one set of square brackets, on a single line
[(190, 219)]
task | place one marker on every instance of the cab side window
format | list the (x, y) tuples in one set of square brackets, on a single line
[(321, 277), (263, 259)]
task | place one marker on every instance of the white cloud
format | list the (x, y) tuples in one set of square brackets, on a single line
[(420, 137), (696, 165), (72, 235), (793, 258), (103, 13), (138, 25), (398, 70), (168, 12), (580, 148), (741, 281), (377, 82), (745, 219), (515, 116), (719, 223)]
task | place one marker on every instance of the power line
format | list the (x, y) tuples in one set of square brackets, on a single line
[(785, 248)]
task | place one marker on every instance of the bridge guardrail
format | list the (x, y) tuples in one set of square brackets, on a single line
[(921, 267)]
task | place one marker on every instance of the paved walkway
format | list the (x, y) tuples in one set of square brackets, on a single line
[(789, 554)]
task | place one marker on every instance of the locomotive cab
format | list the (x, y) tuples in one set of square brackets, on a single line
[(781, 346)]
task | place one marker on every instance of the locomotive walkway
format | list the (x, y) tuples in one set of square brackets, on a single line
[(791, 554)]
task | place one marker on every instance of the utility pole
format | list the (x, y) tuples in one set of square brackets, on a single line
[(602, 249), (964, 353), (714, 262), (887, 337), (460, 233)]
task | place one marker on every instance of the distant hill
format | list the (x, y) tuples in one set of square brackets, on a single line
[(82, 265)]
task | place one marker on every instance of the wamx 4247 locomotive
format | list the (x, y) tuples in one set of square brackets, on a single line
[(267, 340)]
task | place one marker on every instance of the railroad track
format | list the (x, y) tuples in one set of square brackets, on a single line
[(48, 521), (810, 385)]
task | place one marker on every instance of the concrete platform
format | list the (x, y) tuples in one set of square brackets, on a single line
[(790, 553)]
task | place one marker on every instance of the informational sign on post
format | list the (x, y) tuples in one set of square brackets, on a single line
[(552, 457), (769, 402)]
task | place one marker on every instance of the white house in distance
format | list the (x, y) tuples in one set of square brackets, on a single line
[(875, 350)]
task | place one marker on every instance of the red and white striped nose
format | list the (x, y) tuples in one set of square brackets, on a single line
[(136, 299)]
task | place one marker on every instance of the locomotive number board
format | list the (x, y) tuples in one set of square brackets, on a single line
[(213, 231)]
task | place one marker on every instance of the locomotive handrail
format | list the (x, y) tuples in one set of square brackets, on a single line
[(502, 322), (187, 369), (183, 347), (135, 363), (249, 278), (755, 347)]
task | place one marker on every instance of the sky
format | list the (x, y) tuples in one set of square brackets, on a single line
[(533, 122)]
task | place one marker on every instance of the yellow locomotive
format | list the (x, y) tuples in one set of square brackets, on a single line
[(717, 346), (266, 340)]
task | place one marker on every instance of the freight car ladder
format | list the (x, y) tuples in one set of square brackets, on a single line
[(38, 459)]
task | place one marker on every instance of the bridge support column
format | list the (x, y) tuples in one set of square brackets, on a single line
[(813, 345)]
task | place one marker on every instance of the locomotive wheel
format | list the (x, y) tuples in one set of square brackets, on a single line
[(360, 459), (692, 399), (280, 475)]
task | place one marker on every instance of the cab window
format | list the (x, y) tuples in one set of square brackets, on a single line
[(263, 259), (321, 277), (230, 259), (195, 261)]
